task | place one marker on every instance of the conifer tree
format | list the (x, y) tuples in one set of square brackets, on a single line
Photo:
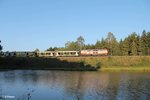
[(1, 46), (144, 43), (120, 48)]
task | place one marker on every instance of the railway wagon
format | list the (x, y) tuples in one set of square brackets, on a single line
[(19, 54), (58, 54), (94, 52), (46, 54), (67, 53)]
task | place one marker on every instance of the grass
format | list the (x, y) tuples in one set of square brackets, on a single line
[(117, 61), (114, 63), (42, 64), (132, 69)]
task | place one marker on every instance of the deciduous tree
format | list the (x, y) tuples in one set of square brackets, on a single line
[(111, 43), (80, 42)]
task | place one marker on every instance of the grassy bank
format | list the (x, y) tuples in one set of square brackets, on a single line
[(36, 63), (129, 69), (115, 63)]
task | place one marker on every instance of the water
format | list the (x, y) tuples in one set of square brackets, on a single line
[(65, 85)]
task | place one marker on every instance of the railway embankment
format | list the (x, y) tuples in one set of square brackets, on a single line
[(107, 63), (115, 63), (39, 63)]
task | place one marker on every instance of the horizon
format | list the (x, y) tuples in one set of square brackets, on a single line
[(27, 25)]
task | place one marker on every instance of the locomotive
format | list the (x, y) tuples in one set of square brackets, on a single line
[(94, 52)]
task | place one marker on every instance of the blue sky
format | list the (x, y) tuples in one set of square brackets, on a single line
[(30, 24)]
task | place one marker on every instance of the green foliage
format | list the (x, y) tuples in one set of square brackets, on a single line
[(111, 44), (80, 42), (36, 50), (120, 48), (133, 45), (1, 49), (77, 45), (89, 46), (101, 44), (145, 43), (56, 49), (1, 46), (72, 46)]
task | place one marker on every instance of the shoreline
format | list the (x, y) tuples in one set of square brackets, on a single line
[(104, 69), (53, 69), (127, 69)]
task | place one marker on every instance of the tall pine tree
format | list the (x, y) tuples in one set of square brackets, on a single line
[(0, 46), (145, 43)]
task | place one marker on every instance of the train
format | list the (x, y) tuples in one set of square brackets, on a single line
[(19, 54), (86, 52)]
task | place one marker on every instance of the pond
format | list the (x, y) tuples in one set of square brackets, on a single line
[(74, 85)]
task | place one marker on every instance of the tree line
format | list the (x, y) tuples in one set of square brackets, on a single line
[(132, 45)]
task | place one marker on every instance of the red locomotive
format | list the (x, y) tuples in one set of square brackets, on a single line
[(94, 52)]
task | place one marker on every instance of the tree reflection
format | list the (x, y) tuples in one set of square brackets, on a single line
[(79, 85)]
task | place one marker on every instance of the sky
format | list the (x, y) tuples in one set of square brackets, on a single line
[(29, 24)]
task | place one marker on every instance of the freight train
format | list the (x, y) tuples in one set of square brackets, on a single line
[(88, 52)]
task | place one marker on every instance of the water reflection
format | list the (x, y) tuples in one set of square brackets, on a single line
[(45, 85)]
